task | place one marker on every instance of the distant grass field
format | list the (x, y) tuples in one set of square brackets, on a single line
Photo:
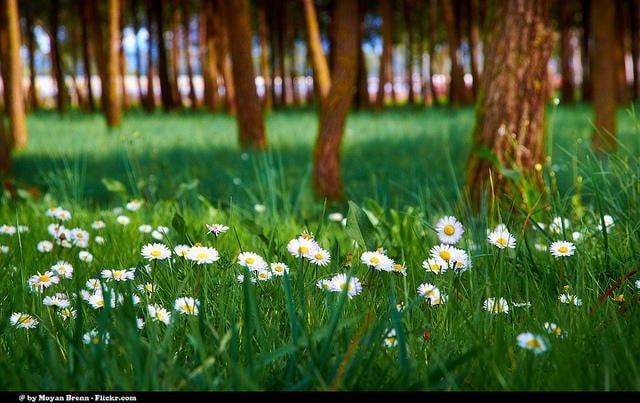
[(376, 297)]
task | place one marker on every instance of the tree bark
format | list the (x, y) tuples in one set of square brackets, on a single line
[(457, 90), (587, 51), (263, 35), (175, 54), (604, 76), (112, 107), (474, 46), (432, 29), (622, 21), (150, 98), (410, 26), (321, 73), (386, 68), (327, 177), (251, 132), (209, 60), (56, 62), (224, 62), (634, 26), (85, 17), (361, 98), (31, 49), (166, 91), (568, 88), (13, 80), (184, 9), (510, 118)]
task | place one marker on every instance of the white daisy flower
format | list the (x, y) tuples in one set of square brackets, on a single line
[(390, 339), (339, 283), (134, 205), (99, 240), (449, 230), (145, 228), (493, 306), (252, 260), (532, 342), (320, 257), (570, 299), (8, 229), (186, 305), (155, 251), (85, 256), (216, 229), (202, 254), (562, 248), (93, 337), (41, 281), (44, 246), (159, 314), (502, 238), (263, 274), (23, 320), (181, 250), (62, 269), (98, 224), (279, 268), (123, 220), (435, 265)]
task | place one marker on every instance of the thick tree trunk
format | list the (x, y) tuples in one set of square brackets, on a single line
[(604, 75), (13, 80), (510, 117), (112, 107), (386, 68), (327, 177), (568, 87), (634, 26), (250, 121)]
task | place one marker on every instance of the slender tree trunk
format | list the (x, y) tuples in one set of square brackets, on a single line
[(361, 98), (175, 53), (13, 80), (122, 62), (250, 120), (263, 35), (432, 29), (386, 68), (285, 93), (409, 11), (166, 89), (457, 88), (587, 51), (621, 24), (225, 59), (321, 73), (510, 120), (112, 107), (74, 42), (187, 51), (603, 75), (85, 17), (327, 176), (56, 62), (474, 45), (150, 100), (138, 53), (565, 53), (31, 49), (208, 56)]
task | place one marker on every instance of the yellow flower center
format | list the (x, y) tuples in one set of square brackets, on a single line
[(156, 253), (502, 241), (263, 275), (375, 260), (44, 278), (279, 269), (449, 229), (250, 260), (303, 249), (201, 255), (319, 256), (445, 254), (187, 308), (534, 343), (498, 308), (118, 274), (95, 339), (563, 249), (398, 267), (345, 286), (391, 340)]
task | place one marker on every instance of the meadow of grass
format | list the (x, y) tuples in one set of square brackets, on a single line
[(161, 179)]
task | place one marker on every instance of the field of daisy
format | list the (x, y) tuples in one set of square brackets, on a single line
[(161, 257)]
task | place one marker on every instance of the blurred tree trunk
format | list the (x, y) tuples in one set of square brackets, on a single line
[(56, 62), (150, 98), (321, 74), (386, 68), (634, 26), (587, 51), (425, 82), (74, 45), (457, 90), (166, 89), (361, 98), (603, 74), (432, 30), (410, 26), (186, 17), (112, 106), (85, 17), (135, 21), (250, 120), (283, 66), (122, 62), (31, 50), (474, 45), (175, 53), (510, 116), (208, 56), (621, 24), (224, 62), (327, 177), (564, 22), (13, 78), (263, 35)]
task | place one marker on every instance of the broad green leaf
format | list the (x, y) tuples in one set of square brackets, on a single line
[(359, 227), (115, 186)]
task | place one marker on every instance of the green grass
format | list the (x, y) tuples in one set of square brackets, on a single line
[(403, 170)]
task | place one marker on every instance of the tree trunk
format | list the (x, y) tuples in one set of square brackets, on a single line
[(77, 96), (386, 68), (138, 53), (85, 17), (634, 25), (263, 35), (175, 54), (603, 74), (361, 98), (13, 80), (457, 88), (410, 26), (122, 62), (150, 99), (187, 51), (56, 62), (251, 132), (166, 89), (432, 29), (112, 107), (321, 73), (209, 56), (510, 119), (564, 21), (587, 51), (474, 45), (224, 62), (622, 21), (327, 177), (31, 50)]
